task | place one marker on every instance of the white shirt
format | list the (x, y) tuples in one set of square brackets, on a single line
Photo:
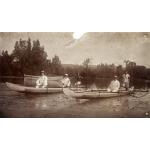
[(114, 86), (66, 82), (42, 81), (126, 77)]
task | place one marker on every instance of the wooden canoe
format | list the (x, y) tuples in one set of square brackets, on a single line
[(53, 82), (25, 89), (94, 94)]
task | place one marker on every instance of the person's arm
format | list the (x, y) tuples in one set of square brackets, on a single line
[(117, 86), (129, 77), (69, 82), (110, 84), (38, 81), (62, 81)]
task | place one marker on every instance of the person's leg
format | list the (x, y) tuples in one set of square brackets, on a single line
[(127, 86), (37, 85), (115, 90), (123, 84), (44, 86)]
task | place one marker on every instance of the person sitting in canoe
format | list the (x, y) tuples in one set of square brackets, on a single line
[(114, 85), (42, 81), (126, 80), (66, 81)]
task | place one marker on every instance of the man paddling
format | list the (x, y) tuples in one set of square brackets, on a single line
[(42, 81), (114, 85), (66, 81)]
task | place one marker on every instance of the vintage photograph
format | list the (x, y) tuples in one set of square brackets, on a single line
[(74, 74)]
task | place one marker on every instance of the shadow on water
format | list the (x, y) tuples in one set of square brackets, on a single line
[(90, 101)]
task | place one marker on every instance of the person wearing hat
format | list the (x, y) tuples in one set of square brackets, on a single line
[(66, 81), (42, 81), (126, 80), (114, 85)]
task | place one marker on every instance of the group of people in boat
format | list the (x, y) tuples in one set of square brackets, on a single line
[(114, 85)]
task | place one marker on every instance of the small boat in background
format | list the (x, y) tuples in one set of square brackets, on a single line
[(25, 89), (95, 94), (53, 82)]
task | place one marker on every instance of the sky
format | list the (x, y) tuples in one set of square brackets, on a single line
[(74, 48)]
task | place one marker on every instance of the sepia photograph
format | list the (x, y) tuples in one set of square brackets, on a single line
[(74, 74)]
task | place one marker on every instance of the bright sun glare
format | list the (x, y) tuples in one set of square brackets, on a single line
[(78, 35)]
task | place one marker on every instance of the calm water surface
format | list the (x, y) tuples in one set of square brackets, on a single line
[(14, 104)]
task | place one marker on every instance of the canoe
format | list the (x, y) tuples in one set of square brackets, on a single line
[(53, 82), (15, 87), (25, 89), (94, 94)]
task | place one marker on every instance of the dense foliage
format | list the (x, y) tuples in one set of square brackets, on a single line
[(27, 58)]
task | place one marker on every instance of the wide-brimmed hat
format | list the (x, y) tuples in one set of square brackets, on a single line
[(115, 76), (42, 71)]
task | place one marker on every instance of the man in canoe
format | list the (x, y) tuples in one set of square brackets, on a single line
[(126, 80), (66, 81), (42, 81), (114, 85)]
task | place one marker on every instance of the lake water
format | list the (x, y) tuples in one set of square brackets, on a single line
[(14, 104)]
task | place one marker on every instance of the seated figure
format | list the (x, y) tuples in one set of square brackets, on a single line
[(66, 81), (42, 81), (114, 85)]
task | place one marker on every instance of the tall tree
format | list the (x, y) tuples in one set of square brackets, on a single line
[(5, 63), (21, 55), (56, 65), (39, 57), (86, 64)]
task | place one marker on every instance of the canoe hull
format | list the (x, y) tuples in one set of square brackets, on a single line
[(15, 87), (94, 94), (43, 90), (24, 89)]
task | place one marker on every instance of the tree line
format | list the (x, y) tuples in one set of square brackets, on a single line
[(29, 57)]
